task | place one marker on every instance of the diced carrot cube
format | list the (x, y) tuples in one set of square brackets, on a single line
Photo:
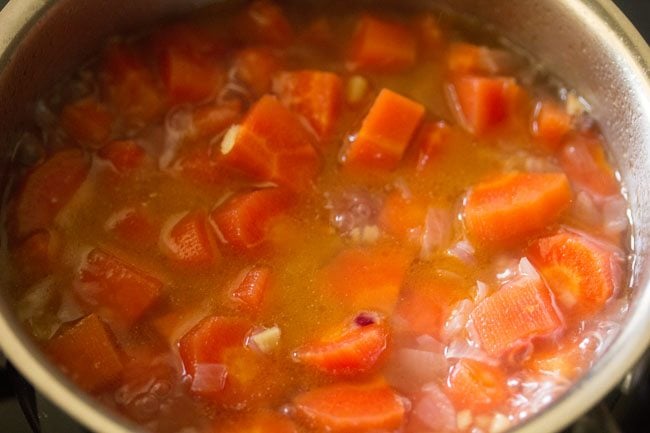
[(433, 140), (381, 46), (352, 348), (35, 256), (520, 310), (87, 120), (187, 78), (88, 354), (245, 220), (261, 422), (477, 386), (315, 95), (431, 35), (581, 274), (347, 407), (366, 278), (484, 103), (118, 289), (133, 226), (272, 145), (125, 155), (188, 242), (264, 22), (583, 159), (513, 206), (550, 124), (403, 217), (385, 133), (249, 290), (48, 188), (255, 67)]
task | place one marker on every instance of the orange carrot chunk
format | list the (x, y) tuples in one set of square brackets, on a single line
[(272, 145), (87, 352), (385, 133), (255, 67), (354, 347), (189, 242), (581, 274), (520, 310), (402, 217), (245, 220), (464, 58), (351, 407), (483, 103), (586, 165), (476, 386), (189, 78), (264, 22), (36, 256), (119, 289), (550, 124), (366, 278), (513, 206), (381, 46), (87, 120), (264, 421), (315, 95), (48, 188), (125, 155), (248, 291), (432, 141)]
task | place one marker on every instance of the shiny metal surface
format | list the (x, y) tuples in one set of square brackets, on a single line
[(589, 44)]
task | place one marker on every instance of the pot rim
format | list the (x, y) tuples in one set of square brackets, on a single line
[(602, 16)]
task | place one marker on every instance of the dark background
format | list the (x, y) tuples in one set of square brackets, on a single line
[(11, 418)]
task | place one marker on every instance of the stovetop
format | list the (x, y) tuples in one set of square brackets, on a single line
[(626, 409)]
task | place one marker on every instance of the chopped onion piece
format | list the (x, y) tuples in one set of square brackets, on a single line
[(209, 378), (464, 419), (457, 319), (462, 250), (356, 89), (482, 291), (228, 141), (437, 230), (500, 423), (266, 340), (434, 409), (527, 268)]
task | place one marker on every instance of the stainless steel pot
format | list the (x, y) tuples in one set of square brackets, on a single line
[(588, 43)]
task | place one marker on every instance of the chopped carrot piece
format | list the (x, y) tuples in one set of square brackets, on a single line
[(264, 421), (264, 22), (130, 85), (403, 217), (381, 46), (477, 386), (520, 310), (432, 142), (122, 290), (134, 226), (352, 348), (315, 95), (48, 188), (484, 103), (188, 241), (431, 35), (125, 155), (513, 206), (245, 220), (385, 133), (550, 124), (366, 278), (584, 161), (88, 354), (212, 119), (565, 360), (87, 120), (176, 323), (272, 145), (581, 274), (347, 407), (464, 58), (188, 78), (36, 255), (248, 291), (255, 66)]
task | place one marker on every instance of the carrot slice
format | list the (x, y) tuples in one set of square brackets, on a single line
[(255, 66), (272, 145), (513, 206), (188, 241), (585, 163), (248, 291), (433, 140), (347, 407), (354, 347), (87, 120), (520, 310), (264, 22), (125, 155), (551, 124), (122, 290), (48, 188), (189, 78), (581, 274), (385, 133), (35, 256), (316, 95), (402, 217), (381, 46), (88, 354), (484, 103), (365, 278), (245, 220), (477, 386)]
